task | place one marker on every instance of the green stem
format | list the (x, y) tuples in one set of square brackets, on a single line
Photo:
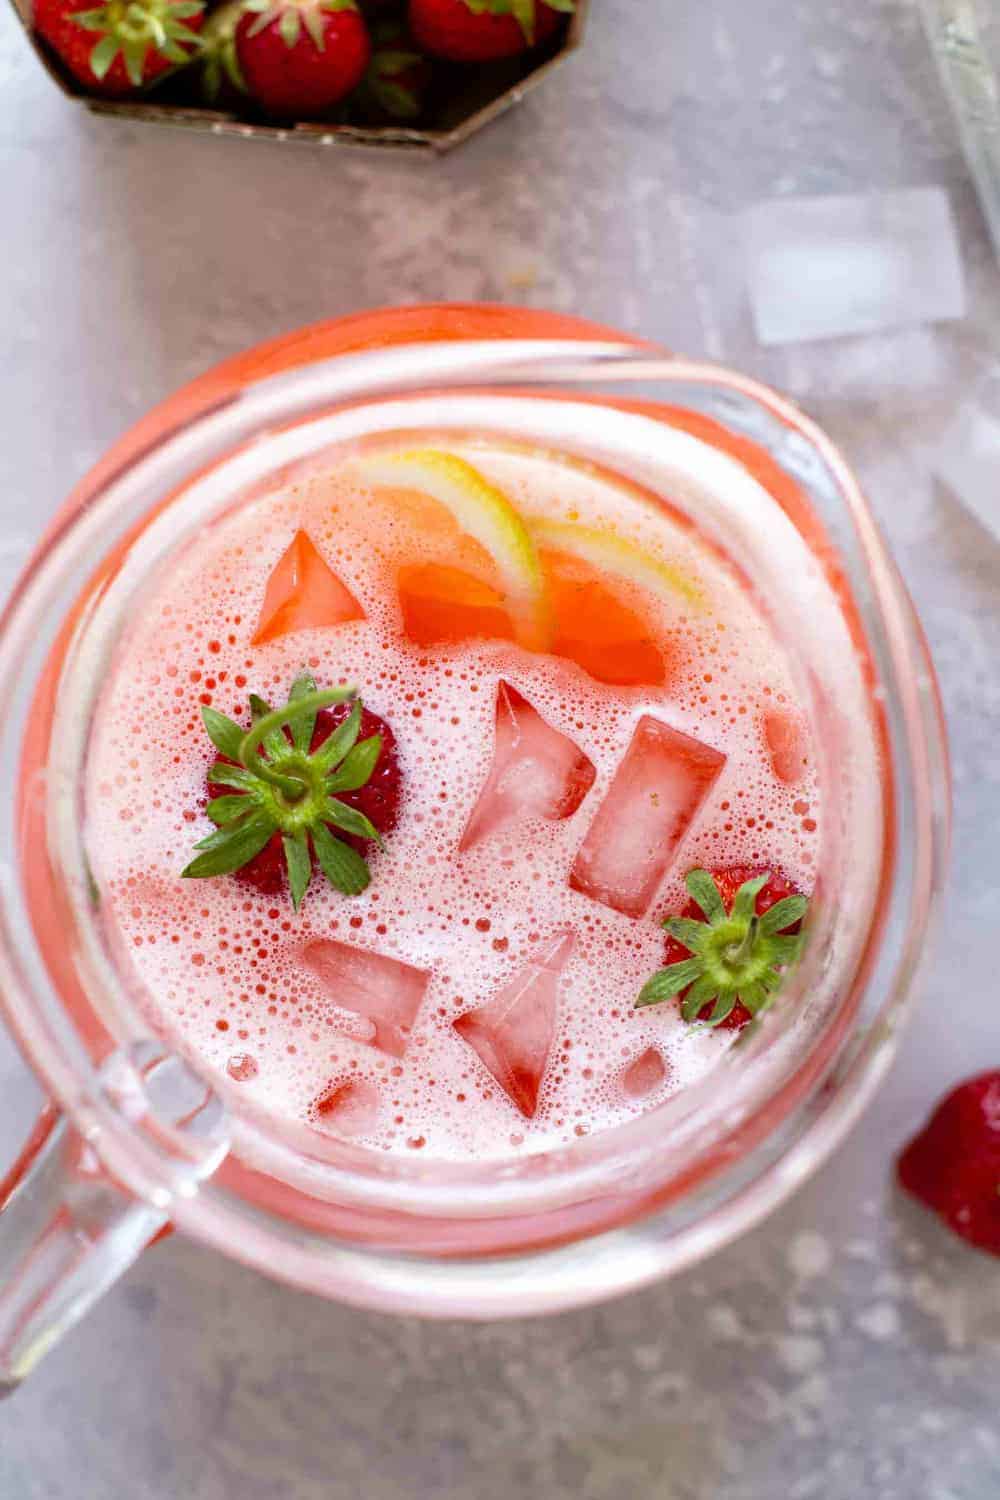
[(294, 786), (741, 953)]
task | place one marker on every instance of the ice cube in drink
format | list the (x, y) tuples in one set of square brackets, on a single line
[(655, 796), (537, 771), (512, 1034), (382, 991)]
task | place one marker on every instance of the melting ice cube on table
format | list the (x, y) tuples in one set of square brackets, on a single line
[(512, 1034), (382, 991), (824, 267), (651, 803), (537, 771)]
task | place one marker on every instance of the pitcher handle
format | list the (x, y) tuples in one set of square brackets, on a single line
[(67, 1229)]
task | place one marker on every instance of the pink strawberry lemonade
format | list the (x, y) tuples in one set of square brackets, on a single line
[(585, 704)]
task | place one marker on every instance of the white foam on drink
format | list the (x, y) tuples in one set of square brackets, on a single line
[(221, 967)]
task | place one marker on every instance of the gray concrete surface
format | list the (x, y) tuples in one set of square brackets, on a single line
[(848, 1348)]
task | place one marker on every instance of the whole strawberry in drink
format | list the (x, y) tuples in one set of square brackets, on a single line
[(481, 30), (953, 1165), (119, 48), (299, 58), (315, 780), (728, 951)]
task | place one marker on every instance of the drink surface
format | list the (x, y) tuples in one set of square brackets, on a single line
[(579, 721)]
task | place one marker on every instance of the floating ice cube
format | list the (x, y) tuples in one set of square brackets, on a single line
[(384, 992), (644, 1075), (349, 1107), (537, 771), (512, 1033), (968, 461), (302, 593), (824, 267), (786, 745), (655, 796)]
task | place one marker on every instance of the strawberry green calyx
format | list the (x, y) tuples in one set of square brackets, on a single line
[(394, 81), (292, 15), (736, 955), (136, 27), (281, 785), (218, 50), (523, 11)]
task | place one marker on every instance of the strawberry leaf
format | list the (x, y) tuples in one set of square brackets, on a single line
[(394, 97), (103, 56), (299, 863), (335, 746), (226, 736), (523, 12), (350, 820), (686, 930), (290, 26), (185, 34), (388, 61), (786, 948), (745, 900), (669, 981), (304, 727), (134, 54), (223, 810), (343, 866), (721, 1010), (784, 914), (314, 26), (230, 848), (222, 774), (172, 51), (357, 766), (91, 20), (705, 893), (701, 992), (274, 742), (754, 997)]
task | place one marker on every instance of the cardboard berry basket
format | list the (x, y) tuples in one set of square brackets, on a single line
[(460, 99)]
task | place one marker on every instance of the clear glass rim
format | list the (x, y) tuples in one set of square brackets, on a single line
[(599, 1265)]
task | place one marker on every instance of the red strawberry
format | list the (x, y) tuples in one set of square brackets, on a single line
[(120, 47), (481, 30), (300, 57), (727, 953), (953, 1165), (317, 783)]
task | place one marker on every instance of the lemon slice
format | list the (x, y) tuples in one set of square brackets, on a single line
[(486, 514), (611, 554)]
